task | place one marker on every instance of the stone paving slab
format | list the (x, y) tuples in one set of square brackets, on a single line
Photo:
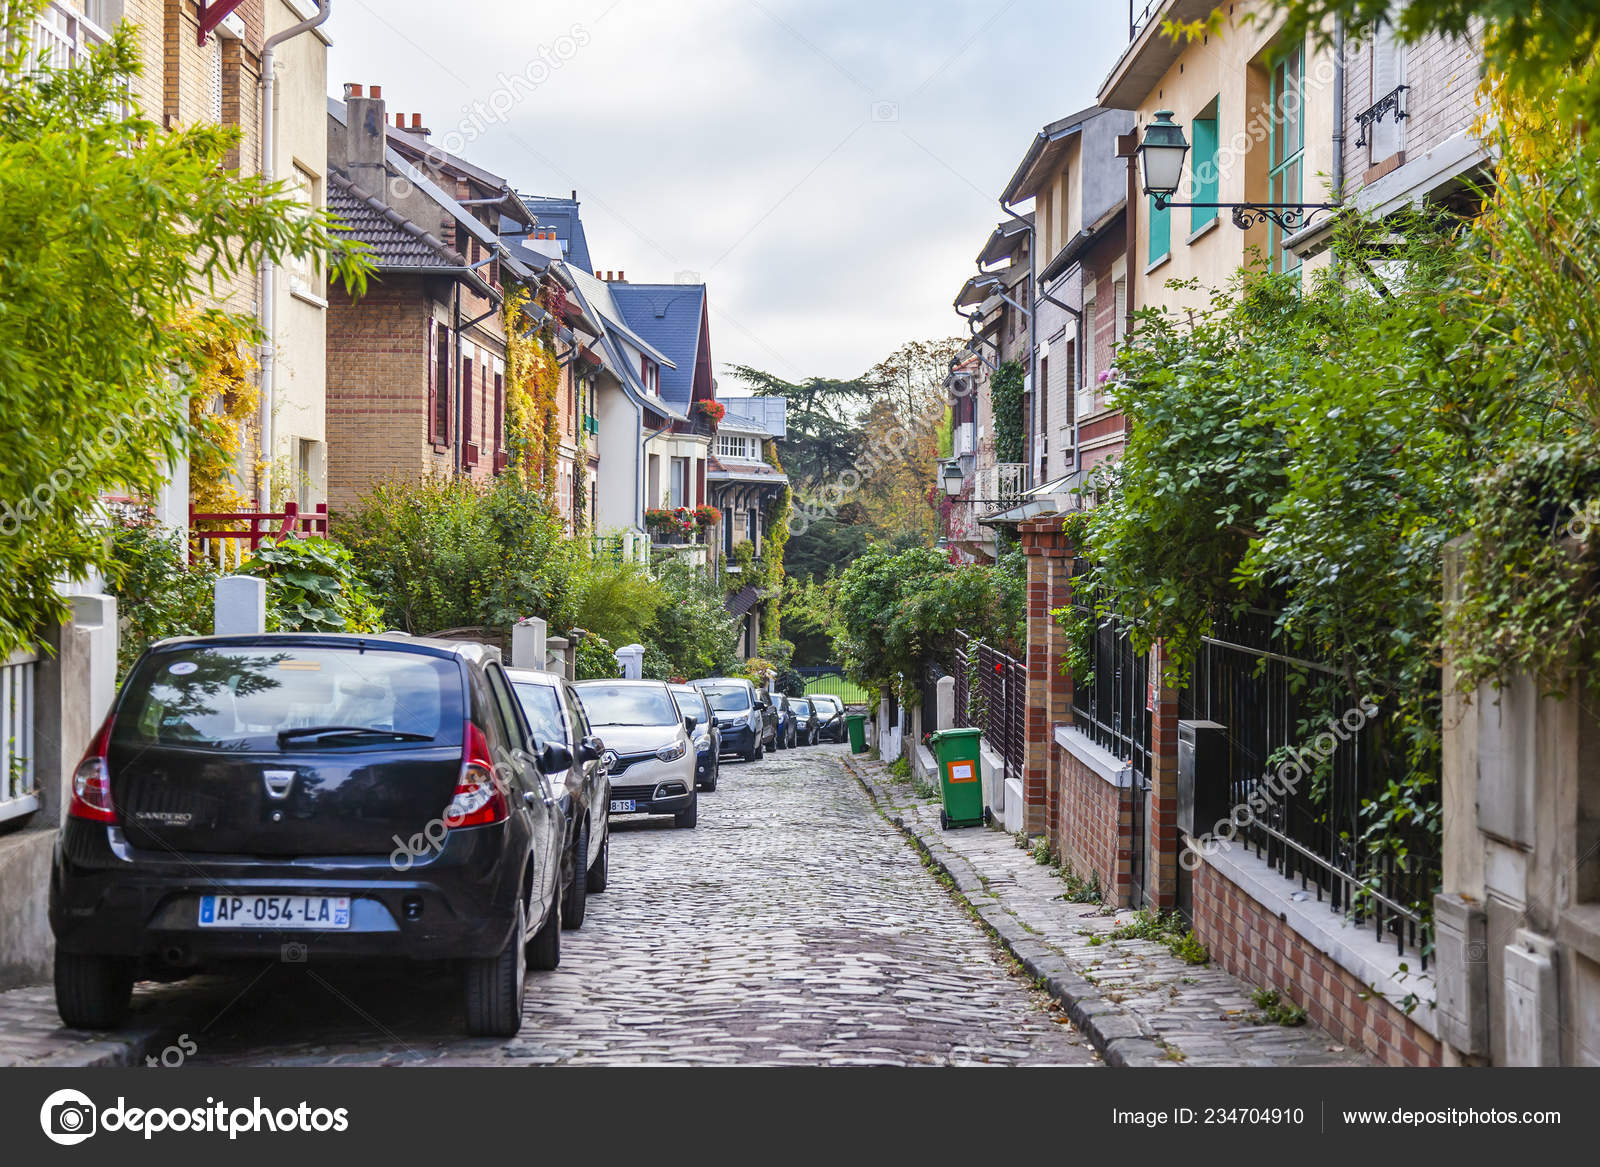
[(1139, 1004)]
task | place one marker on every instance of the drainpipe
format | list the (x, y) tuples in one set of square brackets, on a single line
[(1033, 340), (265, 446), (1338, 114)]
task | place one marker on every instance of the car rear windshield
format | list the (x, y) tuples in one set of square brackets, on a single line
[(803, 708), (628, 705), (726, 700), (543, 708), (251, 698), (689, 701)]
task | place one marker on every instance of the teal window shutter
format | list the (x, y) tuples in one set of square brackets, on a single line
[(1205, 178), (1160, 231)]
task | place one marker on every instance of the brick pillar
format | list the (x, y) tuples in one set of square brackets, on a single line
[(1161, 867), (1048, 699)]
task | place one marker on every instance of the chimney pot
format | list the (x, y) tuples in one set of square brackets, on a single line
[(622, 277), (377, 93), (416, 121), (596, 275), (400, 120), (351, 90)]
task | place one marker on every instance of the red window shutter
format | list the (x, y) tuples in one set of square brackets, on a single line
[(439, 397), (430, 358), (466, 401)]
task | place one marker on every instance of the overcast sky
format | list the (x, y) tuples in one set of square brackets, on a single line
[(828, 168)]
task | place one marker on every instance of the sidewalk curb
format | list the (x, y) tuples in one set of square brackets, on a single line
[(1122, 1039)]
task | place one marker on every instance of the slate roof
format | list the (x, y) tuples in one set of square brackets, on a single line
[(396, 241), (743, 600), (719, 471), (562, 214), (668, 316)]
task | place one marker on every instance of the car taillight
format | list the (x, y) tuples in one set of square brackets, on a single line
[(91, 783), (478, 799)]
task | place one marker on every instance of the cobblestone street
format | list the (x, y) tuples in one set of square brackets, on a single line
[(793, 926)]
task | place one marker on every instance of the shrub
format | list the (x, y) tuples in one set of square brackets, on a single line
[(159, 593), (444, 552), (312, 586)]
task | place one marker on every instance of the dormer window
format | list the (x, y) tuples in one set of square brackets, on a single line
[(734, 446), (650, 374)]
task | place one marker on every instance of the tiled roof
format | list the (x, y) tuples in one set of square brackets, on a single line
[(396, 241), (668, 316), (743, 600)]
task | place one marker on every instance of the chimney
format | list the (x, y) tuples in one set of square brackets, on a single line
[(366, 138), (622, 277), (351, 90), (416, 125)]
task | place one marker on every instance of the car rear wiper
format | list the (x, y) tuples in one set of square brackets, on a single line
[(309, 731)]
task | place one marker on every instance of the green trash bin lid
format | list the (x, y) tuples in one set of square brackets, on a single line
[(956, 734)]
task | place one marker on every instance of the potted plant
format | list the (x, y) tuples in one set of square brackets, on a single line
[(712, 411)]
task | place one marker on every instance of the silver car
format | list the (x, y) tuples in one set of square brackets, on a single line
[(582, 788), (648, 751)]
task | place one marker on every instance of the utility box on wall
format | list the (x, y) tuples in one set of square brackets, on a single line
[(1461, 956), (1202, 776)]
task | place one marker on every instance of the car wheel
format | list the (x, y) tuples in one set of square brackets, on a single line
[(495, 986), (92, 992), (544, 950), (600, 870), (711, 779), (761, 752), (753, 753), (575, 902), (688, 818)]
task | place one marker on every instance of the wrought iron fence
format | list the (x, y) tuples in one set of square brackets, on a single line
[(830, 680), (992, 695), (1112, 706), (1278, 708)]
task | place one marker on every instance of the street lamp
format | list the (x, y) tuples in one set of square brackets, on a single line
[(953, 478), (1161, 155)]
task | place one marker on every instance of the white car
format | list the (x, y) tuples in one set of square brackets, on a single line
[(648, 747)]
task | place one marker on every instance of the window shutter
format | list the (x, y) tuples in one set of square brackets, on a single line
[(466, 400), (1385, 138)]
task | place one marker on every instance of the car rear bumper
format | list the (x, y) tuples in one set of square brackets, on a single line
[(738, 740), (458, 902)]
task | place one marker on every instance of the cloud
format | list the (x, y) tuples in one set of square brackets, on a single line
[(829, 168)]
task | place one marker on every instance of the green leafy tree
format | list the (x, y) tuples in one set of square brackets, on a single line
[(114, 232)]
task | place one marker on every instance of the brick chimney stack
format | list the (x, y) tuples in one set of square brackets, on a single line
[(366, 139)]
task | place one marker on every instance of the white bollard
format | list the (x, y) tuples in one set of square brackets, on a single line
[(944, 704), (240, 607), (528, 641), (630, 659)]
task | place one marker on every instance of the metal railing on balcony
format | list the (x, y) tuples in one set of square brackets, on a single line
[(999, 486), (1140, 13), (61, 37)]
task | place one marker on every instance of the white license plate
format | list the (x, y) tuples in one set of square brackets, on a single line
[(274, 911), (622, 806)]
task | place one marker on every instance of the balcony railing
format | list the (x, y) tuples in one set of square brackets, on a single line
[(1000, 486), (1140, 13), (61, 37)]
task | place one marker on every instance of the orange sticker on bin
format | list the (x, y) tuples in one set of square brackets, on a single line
[(962, 772)]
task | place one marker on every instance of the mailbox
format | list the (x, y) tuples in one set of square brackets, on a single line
[(1202, 776)]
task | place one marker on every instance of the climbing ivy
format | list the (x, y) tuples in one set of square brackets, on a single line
[(533, 379), (1005, 395)]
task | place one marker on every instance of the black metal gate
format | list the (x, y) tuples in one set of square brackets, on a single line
[(992, 695), (1111, 705)]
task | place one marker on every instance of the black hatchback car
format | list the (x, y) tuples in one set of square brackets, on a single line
[(302, 797)]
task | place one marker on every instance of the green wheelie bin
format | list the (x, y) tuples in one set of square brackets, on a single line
[(856, 723), (960, 777)]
